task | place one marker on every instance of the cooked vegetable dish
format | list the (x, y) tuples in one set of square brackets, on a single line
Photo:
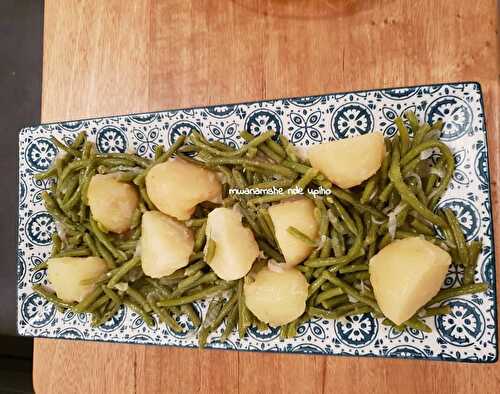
[(266, 236)]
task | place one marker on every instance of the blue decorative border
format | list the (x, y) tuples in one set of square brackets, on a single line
[(305, 120)]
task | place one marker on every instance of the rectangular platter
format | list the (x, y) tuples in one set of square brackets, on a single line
[(468, 334)]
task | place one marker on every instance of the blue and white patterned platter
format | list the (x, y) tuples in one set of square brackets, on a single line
[(469, 333)]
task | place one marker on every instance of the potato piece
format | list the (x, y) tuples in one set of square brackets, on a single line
[(350, 161), (166, 244), (111, 202), (177, 186), (299, 214), (406, 274), (236, 248), (66, 273), (277, 298)]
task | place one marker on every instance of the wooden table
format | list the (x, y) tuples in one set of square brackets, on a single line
[(111, 57)]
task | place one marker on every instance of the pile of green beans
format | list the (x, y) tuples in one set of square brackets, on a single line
[(398, 201)]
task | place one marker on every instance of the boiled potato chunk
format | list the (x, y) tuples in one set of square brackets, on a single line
[(177, 186), (111, 202), (350, 161), (166, 244), (277, 298), (299, 214), (406, 274), (66, 273), (236, 248)]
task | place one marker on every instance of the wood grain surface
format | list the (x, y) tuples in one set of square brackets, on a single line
[(104, 57)]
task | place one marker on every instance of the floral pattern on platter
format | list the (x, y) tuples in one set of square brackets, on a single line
[(467, 334), (455, 113), (463, 326), (40, 153), (111, 139), (352, 119)]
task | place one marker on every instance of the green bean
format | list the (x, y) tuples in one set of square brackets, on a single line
[(416, 324), (475, 248), (195, 296), (196, 256), (164, 316), (89, 241), (200, 237), (266, 231), (195, 222), (243, 317), (192, 314), (231, 322), (277, 183), (251, 222), (187, 282), (369, 189), (335, 301), (88, 300), (345, 196), (295, 232), (442, 310), (146, 317), (51, 297), (412, 119), (105, 254), (239, 179), (101, 237), (145, 197), (51, 172), (447, 156), (458, 236), (211, 249), (101, 301), (421, 227), (326, 249), (346, 218), (353, 268), (206, 327), (139, 298), (124, 157), (56, 244), (325, 295), (306, 179), (266, 150), (73, 166), (270, 198), (288, 148), (420, 133), (356, 276), (79, 252), (273, 168), (111, 294), (458, 291), (69, 188), (98, 321), (122, 270), (407, 195), (264, 214), (403, 135), (224, 311), (338, 243), (67, 149), (336, 262), (315, 286), (349, 290), (335, 314), (269, 251), (194, 268), (275, 147)]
